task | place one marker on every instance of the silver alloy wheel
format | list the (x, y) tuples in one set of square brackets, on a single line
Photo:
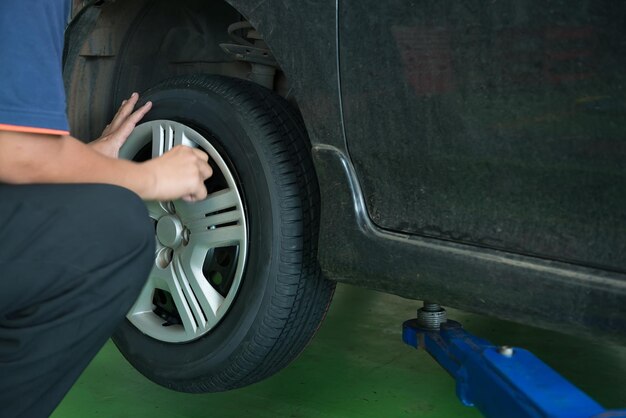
[(191, 237)]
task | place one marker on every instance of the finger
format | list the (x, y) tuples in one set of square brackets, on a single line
[(138, 114), (206, 171), (106, 130), (129, 124), (201, 193), (119, 109), (127, 108), (124, 111), (109, 128), (192, 198), (200, 154)]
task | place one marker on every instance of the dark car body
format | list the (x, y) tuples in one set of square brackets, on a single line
[(471, 153)]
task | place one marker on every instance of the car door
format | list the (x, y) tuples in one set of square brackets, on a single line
[(498, 124)]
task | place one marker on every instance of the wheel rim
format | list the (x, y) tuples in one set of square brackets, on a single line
[(201, 247)]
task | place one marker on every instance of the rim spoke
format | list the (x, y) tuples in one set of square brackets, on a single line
[(191, 261), (218, 201), (185, 309), (143, 304), (198, 307), (158, 279), (166, 136), (229, 217), (219, 237)]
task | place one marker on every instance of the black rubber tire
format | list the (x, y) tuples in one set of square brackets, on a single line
[(282, 298)]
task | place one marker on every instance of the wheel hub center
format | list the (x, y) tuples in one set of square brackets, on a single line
[(169, 231)]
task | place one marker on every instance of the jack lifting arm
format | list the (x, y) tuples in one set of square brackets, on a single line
[(501, 382)]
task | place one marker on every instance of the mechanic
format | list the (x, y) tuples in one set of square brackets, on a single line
[(76, 243)]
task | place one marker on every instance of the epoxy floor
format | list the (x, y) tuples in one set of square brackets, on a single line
[(356, 366)]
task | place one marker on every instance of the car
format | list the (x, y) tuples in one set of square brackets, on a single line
[(466, 153)]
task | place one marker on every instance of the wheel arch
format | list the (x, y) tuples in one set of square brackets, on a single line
[(114, 48)]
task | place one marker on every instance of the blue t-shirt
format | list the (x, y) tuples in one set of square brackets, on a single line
[(32, 97)]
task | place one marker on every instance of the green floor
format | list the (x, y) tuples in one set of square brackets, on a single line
[(355, 367)]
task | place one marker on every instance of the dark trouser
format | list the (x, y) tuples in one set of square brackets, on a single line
[(73, 258)]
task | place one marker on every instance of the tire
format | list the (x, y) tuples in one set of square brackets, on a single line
[(281, 297)]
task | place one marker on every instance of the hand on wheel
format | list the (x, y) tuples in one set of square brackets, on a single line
[(123, 123), (179, 173)]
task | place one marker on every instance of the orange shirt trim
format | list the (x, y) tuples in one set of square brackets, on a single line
[(32, 130)]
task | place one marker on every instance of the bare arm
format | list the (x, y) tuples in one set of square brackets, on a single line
[(36, 158)]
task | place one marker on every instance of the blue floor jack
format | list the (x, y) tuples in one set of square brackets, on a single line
[(500, 381)]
